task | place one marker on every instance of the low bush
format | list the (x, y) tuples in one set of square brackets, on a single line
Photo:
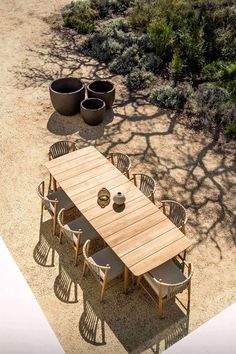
[(213, 105), (176, 66), (124, 63), (120, 6), (151, 62), (102, 50), (141, 14), (138, 79), (212, 99), (80, 16), (223, 73), (81, 10), (168, 97), (80, 26), (230, 129), (107, 8), (162, 37)]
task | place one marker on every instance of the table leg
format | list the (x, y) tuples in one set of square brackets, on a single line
[(126, 280), (54, 184)]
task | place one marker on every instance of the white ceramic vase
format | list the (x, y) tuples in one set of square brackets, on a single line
[(119, 198)]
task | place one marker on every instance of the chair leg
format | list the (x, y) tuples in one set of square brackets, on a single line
[(77, 255), (84, 268), (54, 224), (102, 291), (60, 236), (42, 209), (126, 280), (54, 184), (153, 198), (189, 295), (160, 304), (183, 229)]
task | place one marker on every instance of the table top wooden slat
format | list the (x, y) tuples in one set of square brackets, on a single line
[(126, 238), (121, 223), (160, 257), (73, 172), (78, 162), (140, 234), (167, 238), (90, 182), (72, 155)]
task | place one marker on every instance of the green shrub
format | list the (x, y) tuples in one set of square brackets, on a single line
[(211, 98), (176, 66), (141, 14), (106, 44), (80, 26), (151, 62), (80, 16), (124, 63), (138, 79), (120, 6), (168, 97), (162, 37), (230, 129), (81, 10), (114, 25), (102, 50), (106, 8), (213, 103), (102, 7), (222, 73)]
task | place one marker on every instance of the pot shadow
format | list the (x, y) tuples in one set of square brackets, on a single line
[(63, 125), (68, 125)]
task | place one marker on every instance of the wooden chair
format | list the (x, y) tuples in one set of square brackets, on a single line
[(166, 281), (104, 264), (53, 202), (58, 149), (61, 148), (146, 184), (176, 212), (121, 161), (78, 231)]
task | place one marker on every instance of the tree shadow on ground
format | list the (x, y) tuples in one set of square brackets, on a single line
[(132, 318)]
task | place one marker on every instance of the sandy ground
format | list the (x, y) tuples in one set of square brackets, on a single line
[(188, 165)]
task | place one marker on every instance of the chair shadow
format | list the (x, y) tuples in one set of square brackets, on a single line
[(45, 245), (132, 318), (63, 287), (68, 125), (91, 327)]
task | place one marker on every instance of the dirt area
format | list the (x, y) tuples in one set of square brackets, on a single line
[(188, 165)]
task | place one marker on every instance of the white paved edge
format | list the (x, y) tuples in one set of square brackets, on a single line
[(24, 328), (216, 336)]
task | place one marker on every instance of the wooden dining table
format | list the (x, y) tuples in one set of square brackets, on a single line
[(139, 233)]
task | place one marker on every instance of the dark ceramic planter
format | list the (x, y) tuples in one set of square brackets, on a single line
[(66, 95), (103, 89), (93, 110)]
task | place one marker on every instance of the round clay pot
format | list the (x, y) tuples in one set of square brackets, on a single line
[(92, 110), (103, 89), (66, 95)]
